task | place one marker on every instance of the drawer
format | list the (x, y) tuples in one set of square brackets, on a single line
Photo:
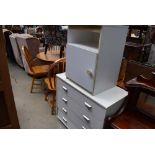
[(94, 109), (72, 117), (64, 119), (86, 118), (84, 102), (67, 90), (83, 117)]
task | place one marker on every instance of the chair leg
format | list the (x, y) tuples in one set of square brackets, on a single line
[(53, 104), (46, 95), (32, 84)]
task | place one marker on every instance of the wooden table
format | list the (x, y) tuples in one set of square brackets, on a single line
[(50, 56)]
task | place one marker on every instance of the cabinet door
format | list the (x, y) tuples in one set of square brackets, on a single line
[(8, 114), (80, 67)]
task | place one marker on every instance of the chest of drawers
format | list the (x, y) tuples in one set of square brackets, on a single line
[(79, 109)]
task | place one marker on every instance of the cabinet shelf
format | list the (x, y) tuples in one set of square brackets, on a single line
[(92, 28), (89, 46)]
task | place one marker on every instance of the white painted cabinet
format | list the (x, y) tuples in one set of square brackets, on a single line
[(78, 109), (94, 56), (79, 64)]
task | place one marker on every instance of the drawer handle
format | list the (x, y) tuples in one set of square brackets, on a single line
[(64, 88), (65, 120), (64, 110), (83, 127), (86, 118), (64, 100), (88, 105)]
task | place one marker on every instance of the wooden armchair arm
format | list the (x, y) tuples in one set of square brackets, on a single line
[(142, 82)]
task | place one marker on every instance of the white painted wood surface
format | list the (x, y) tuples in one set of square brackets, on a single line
[(108, 44), (105, 99), (79, 62), (73, 104)]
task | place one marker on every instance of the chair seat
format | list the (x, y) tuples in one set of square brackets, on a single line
[(40, 70), (47, 82), (132, 120)]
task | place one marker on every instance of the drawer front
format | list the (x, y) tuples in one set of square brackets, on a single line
[(82, 72), (77, 114), (64, 119), (64, 91), (73, 118), (86, 118)]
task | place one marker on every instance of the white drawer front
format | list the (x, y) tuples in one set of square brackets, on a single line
[(64, 119), (70, 115), (77, 114), (85, 103), (67, 90), (80, 66)]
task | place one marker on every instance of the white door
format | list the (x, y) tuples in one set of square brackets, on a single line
[(80, 66)]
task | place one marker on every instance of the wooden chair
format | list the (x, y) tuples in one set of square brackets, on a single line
[(36, 71), (138, 110), (57, 67)]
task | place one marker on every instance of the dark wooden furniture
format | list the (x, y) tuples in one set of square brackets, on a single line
[(138, 110), (139, 31), (137, 47), (36, 71), (55, 36), (8, 114), (57, 67), (133, 69), (121, 76), (137, 51)]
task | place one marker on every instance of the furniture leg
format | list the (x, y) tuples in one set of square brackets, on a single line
[(32, 84)]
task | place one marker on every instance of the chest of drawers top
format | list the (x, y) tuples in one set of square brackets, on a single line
[(104, 99)]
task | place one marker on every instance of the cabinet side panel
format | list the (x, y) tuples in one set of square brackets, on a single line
[(111, 49)]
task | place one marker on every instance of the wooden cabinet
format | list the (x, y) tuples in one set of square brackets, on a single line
[(137, 52), (4, 116), (138, 43), (79, 109), (94, 55), (8, 114)]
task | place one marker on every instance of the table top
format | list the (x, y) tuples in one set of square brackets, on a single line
[(50, 56)]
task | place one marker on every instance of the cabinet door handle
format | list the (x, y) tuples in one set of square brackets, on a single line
[(64, 110), (64, 88), (87, 105), (86, 118), (64, 100), (83, 127), (65, 120), (90, 73)]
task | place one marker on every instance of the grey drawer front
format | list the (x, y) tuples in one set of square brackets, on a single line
[(72, 117), (65, 89), (85, 103), (64, 119), (78, 114)]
